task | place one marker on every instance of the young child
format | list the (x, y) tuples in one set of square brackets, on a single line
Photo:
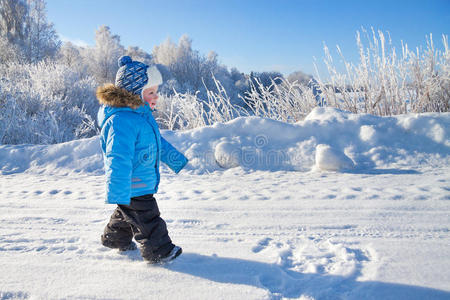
[(133, 149)]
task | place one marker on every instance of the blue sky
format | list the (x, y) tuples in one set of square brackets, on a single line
[(252, 35)]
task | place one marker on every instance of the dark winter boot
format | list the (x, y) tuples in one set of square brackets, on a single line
[(130, 247), (174, 253)]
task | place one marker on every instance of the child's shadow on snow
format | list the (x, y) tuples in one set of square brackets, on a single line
[(281, 282)]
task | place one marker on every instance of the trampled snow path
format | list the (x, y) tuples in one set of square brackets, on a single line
[(383, 234)]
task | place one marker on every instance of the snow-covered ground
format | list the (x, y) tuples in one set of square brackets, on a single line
[(337, 206)]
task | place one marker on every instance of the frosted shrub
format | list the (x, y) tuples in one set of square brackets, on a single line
[(45, 103), (8, 116), (287, 101), (384, 83), (180, 111), (56, 84), (219, 106), (430, 78), (187, 111)]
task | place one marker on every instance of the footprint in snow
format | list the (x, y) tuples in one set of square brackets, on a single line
[(315, 259), (262, 244)]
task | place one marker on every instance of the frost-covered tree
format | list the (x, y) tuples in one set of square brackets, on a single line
[(9, 52), (188, 64), (72, 56), (210, 66), (165, 53), (13, 18), (138, 54), (193, 72), (24, 25), (69, 54), (102, 58), (300, 77), (41, 39)]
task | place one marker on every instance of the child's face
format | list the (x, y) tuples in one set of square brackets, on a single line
[(150, 96)]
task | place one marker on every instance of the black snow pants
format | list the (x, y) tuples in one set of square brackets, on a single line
[(141, 220)]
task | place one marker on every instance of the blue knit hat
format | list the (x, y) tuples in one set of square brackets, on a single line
[(132, 75)]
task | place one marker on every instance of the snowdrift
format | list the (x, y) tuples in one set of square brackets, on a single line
[(328, 139)]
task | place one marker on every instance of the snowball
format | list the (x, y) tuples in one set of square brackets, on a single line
[(437, 134), (331, 159), (367, 133), (227, 154)]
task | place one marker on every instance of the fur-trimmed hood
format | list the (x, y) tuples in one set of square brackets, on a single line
[(113, 96), (115, 99)]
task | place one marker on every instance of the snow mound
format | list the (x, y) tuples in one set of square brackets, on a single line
[(360, 142), (79, 156), (330, 159)]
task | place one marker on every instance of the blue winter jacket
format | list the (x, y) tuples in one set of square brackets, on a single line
[(132, 146)]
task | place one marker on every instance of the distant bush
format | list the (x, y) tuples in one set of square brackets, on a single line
[(45, 103)]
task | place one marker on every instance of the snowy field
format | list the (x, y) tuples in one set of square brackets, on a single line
[(337, 206)]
